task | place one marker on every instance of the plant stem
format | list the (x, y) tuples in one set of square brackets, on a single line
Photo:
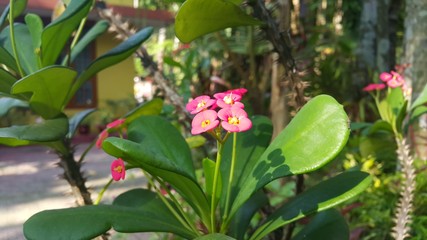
[(181, 210), (166, 202), (12, 37), (215, 185), (101, 194), (230, 181), (87, 151)]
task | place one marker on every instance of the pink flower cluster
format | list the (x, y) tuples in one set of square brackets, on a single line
[(231, 114), (391, 79), (104, 134)]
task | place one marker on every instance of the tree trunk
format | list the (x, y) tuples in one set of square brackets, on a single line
[(415, 41)]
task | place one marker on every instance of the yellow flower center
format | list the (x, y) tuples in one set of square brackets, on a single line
[(201, 104), (206, 123), (233, 120), (228, 100), (118, 169)]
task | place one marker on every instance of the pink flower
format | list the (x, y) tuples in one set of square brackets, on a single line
[(102, 136), (226, 100), (234, 119), (199, 104), (118, 170), (374, 86), (393, 79), (238, 91), (115, 124), (204, 121)]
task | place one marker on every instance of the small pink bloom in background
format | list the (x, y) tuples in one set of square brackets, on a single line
[(238, 91), (199, 104), (118, 170), (204, 121), (101, 137), (115, 124), (393, 79), (226, 100), (374, 86), (234, 119)]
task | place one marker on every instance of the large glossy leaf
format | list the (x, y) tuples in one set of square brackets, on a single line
[(57, 33), (7, 103), (7, 59), (114, 56), (47, 131), (50, 87), (153, 107), (99, 28), (156, 146), (250, 146), (76, 120), (240, 224), (421, 99), (325, 195), (151, 215), (6, 81), (313, 138), (329, 224), (196, 18), (24, 46)]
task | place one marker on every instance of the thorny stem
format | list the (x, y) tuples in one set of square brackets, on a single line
[(404, 207), (12, 38)]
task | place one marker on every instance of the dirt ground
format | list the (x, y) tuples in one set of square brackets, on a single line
[(29, 183)]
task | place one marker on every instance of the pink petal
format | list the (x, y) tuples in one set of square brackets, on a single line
[(204, 121), (199, 104), (116, 123), (374, 86), (118, 169), (385, 76), (238, 91), (102, 136)]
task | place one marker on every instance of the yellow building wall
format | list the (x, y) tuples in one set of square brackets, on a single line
[(116, 82), (127, 3)]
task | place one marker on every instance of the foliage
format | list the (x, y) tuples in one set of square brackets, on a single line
[(155, 146)]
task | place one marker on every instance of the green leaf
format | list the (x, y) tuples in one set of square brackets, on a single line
[(243, 217), (47, 131), (169, 61), (24, 46), (209, 173), (397, 104), (325, 195), (153, 107), (50, 87), (76, 120), (157, 147), (380, 125), (99, 28), (215, 236), (417, 112), (195, 141), (7, 59), (312, 139), (57, 33), (18, 7), (421, 99), (7, 103), (196, 18), (6, 81), (250, 146), (35, 26), (114, 56), (329, 224), (87, 222)]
